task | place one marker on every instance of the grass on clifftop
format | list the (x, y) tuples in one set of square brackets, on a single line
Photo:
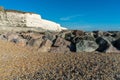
[(23, 63)]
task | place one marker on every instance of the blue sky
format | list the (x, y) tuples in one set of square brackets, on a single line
[(73, 14)]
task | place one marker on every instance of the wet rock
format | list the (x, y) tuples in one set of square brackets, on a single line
[(86, 46)]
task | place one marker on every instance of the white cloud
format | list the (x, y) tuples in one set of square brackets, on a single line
[(69, 17)]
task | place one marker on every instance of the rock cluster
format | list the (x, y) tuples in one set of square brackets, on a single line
[(67, 41)]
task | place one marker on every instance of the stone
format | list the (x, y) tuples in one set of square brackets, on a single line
[(103, 43), (69, 36), (109, 38), (3, 37), (49, 35), (63, 33), (61, 42), (98, 34), (22, 42), (76, 39), (116, 44), (61, 46), (35, 42), (88, 37), (112, 49), (86, 46), (78, 33), (45, 46), (12, 36)]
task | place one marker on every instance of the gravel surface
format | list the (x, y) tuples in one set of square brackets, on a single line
[(24, 63)]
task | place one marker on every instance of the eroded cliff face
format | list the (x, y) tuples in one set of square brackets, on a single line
[(11, 18)]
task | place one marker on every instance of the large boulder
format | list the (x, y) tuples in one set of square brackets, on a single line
[(45, 46), (35, 42), (61, 46), (86, 46), (98, 33), (108, 44), (116, 44), (103, 43), (21, 42), (66, 34), (78, 33), (61, 42), (49, 35), (12, 37)]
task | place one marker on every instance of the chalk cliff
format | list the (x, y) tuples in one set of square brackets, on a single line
[(12, 18)]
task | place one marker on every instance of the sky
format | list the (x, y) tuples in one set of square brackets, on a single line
[(73, 14)]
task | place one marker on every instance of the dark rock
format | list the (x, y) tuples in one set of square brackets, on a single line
[(116, 44), (117, 76), (26, 36), (78, 33), (76, 39), (103, 44), (98, 33), (86, 46), (69, 36)]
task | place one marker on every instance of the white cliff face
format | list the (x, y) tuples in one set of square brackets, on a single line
[(30, 20)]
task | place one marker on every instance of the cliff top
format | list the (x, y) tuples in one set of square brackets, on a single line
[(9, 10), (18, 11)]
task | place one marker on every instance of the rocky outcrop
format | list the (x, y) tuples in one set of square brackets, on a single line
[(12, 18), (66, 41)]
